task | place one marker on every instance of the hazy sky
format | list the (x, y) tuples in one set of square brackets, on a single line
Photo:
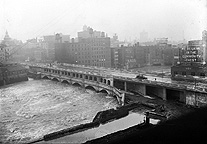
[(25, 19)]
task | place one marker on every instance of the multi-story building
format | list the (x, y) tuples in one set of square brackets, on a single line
[(142, 55), (193, 59), (49, 41), (178, 53), (194, 52), (88, 32), (2, 53), (8, 48), (138, 55), (114, 57), (123, 57), (87, 51), (204, 41)]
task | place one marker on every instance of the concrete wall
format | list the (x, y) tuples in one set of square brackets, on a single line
[(140, 88), (190, 98), (183, 96), (156, 91), (196, 99)]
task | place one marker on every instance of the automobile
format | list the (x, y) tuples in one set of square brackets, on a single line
[(141, 77)]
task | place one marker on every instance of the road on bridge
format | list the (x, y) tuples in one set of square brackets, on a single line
[(123, 73)]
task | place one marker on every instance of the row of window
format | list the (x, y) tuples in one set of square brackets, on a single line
[(91, 44), (101, 64), (192, 56), (191, 60), (16, 72), (192, 73), (76, 75), (193, 48), (97, 56), (87, 48)]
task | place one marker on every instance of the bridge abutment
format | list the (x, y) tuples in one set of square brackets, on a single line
[(122, 99)]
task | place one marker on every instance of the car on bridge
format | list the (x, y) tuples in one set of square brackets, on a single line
[(141, 77)]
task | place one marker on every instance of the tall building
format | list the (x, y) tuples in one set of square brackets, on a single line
[(87, 51), (49, 44), (88, 32), (8, 48)]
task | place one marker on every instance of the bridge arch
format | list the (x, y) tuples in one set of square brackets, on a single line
[(55, 79), (77, 84), (45, 77), (65, 82), (91, 88), (104, 91)]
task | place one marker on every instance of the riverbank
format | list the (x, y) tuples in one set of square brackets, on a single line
[(189, 128), (139, 105), (176, 113), (171, 109)]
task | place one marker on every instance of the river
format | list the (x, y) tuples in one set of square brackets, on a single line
[(31, 109)]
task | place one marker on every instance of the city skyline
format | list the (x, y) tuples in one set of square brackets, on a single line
[(173, 19)]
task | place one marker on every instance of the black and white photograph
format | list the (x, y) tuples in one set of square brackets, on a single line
[(103, 71)]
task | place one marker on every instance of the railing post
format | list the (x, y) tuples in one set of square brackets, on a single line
[(123, 99), (125, 86), (147, 118)]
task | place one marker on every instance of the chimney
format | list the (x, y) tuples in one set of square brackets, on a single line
[(72, 40)]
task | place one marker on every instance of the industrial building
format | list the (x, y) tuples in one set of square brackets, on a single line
[(192, 59)]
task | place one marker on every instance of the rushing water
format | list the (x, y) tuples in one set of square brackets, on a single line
[(31, 109)]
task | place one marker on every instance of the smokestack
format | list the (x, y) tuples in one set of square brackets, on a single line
[(72, 40)]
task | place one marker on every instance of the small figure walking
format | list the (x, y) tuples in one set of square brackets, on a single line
[(155, 79)]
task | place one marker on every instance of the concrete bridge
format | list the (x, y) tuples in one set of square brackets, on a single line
[(120, 85), (98, 83)]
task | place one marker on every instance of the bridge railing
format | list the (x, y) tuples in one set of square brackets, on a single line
[(97, 83), (163, 84), (86, 81)]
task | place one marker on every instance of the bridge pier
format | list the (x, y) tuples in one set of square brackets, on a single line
[(122, 99), (125, 86), (119, 100), (163, 93)]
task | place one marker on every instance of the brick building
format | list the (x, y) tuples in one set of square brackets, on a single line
[(138, 56), (87, 51), (49, 41), (123, 57), (192, 60)]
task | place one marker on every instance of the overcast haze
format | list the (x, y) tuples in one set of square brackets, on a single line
[(26, 19)]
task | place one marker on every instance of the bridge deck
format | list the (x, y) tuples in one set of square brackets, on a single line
[(125, 76)]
